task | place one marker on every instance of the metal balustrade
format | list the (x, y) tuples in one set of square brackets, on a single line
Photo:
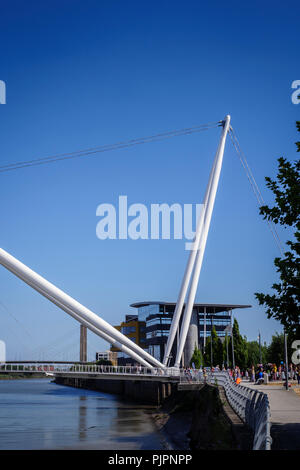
[(88, 369), (252, 406)]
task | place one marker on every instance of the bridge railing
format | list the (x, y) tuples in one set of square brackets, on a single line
[(251, 406), (89, 369), (123, 370)]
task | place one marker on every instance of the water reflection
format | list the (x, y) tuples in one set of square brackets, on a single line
[(38, 414), (82, 418)]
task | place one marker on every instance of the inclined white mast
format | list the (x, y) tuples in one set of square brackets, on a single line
[(193, 268), (196, 254), (71, 306)]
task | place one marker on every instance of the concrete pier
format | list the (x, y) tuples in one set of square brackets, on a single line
[(142, 390)]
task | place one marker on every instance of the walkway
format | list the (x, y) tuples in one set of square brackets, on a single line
[(285, 415)]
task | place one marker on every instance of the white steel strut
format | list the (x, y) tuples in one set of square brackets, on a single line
[(92, 328), (76, 310), (196, 255)]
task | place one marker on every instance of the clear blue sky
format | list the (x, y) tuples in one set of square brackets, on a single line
[(86, 73)]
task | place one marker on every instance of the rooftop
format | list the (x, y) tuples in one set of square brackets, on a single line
[(210, 308)]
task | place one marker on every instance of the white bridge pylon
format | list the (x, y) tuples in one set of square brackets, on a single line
[(194, 263), (77, 311), (102, 328)]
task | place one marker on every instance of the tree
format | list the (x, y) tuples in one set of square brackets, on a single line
[(284, 304), (216, 349), (275, 351), (254, 354), (225, 350), (240, 347), (197, 358), (103, 362)]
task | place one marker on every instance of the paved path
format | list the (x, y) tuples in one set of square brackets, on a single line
[(285, 415)]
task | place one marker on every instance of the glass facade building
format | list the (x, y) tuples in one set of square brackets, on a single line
[(135, 330), (157, 317)]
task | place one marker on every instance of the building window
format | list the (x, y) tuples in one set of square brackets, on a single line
[(147, 310), (154, 350), (126, 330)]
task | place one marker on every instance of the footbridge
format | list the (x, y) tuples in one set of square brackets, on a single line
[(188, 289), (82, 370), (154, 385), (152, 380)]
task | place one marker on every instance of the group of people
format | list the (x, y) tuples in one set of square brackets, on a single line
[(272, 371), (256, 374)]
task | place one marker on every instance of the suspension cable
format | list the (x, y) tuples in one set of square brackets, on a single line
[(254, 186), (107, 148), (17, 321)]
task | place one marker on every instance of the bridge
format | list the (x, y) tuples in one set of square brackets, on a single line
[(102, 328), (99, 326), (152, 379), (156, 384), (83, 370), (266, 409)]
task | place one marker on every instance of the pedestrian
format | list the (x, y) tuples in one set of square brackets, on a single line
[(252, 374), (260, 378), (298, 375)]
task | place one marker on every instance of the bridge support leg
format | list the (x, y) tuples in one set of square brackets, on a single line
[(83, 343)]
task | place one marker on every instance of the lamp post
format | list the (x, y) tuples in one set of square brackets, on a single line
[(232, 345), (286, 362), (211, 345)]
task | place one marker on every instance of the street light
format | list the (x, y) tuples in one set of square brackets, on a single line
[(232, 345), (286, 361), (259, 340)]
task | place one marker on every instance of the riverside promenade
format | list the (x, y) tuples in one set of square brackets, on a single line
[(285, 414)]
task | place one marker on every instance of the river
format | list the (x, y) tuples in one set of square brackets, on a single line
[(39, 414)]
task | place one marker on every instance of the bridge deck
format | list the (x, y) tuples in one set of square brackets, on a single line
[(112, 376)]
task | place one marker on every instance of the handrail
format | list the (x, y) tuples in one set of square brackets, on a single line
[(251, 406), (88, 369)]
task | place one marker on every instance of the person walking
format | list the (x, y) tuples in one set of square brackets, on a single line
[(252, 374), (298, 375)]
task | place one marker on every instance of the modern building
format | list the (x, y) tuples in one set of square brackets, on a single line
[(157, 318), (135, 330), (107, 356)]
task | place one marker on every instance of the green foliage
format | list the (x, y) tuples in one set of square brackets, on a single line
[(197, 358), (103, 362), (225, 347), (240, 347), (246, 353), (275, 351), (284, 304), (217, 350), (254, 355)]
